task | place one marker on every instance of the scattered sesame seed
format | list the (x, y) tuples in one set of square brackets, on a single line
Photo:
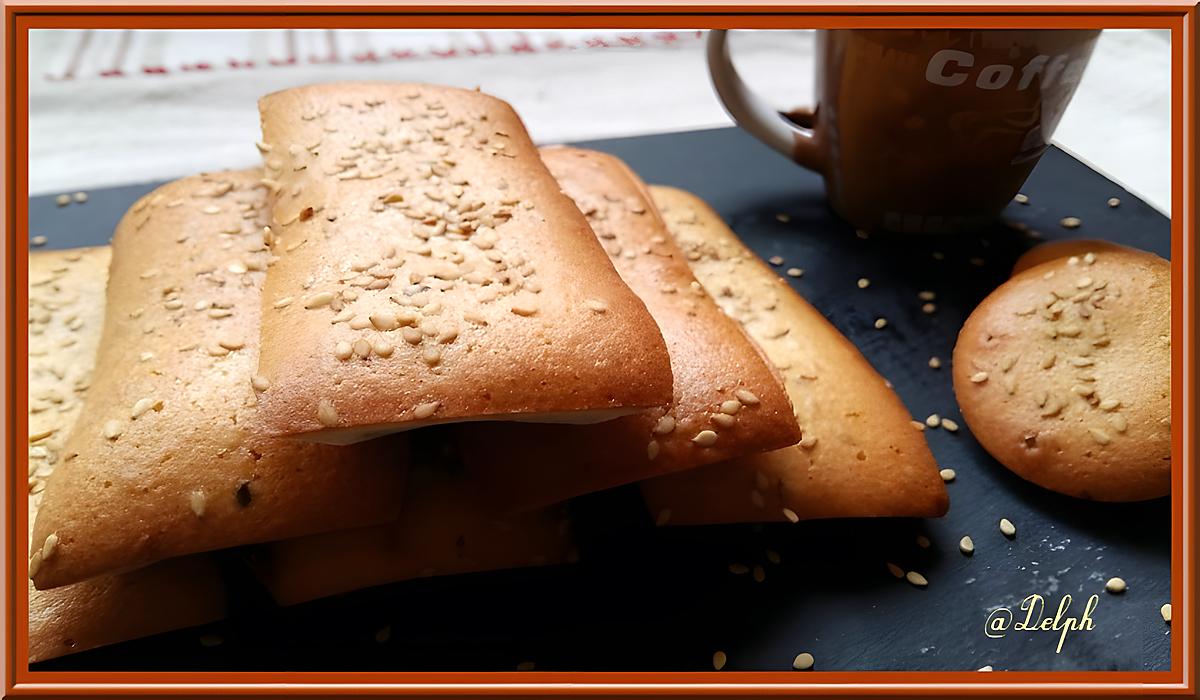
[(934, 420), (795, 272), (35, 563), (738, 569), (895, 570), (384, 321), (759, 573), (343, 350), (803, 661), (425, 410), (808, 442), (1007, 527), (260, 383), (926, 296), (318, 300), (783, 218), (863, 283), (382, 348), (917, 425), (775, 260), (326, 413), (665, 425), (791, 515), (929, 307), (935, 362), (1165, 611), (524, 308), (383, 634), (746, 396), (1070, 222), (664, 517), (526, 666), (948, 475), (62, 200), (718, 660), (50, 546), (979, 377), (731, 407), (1114, 202), (1100, 436), (985, 668), (880, 323), (38, 241), (862, 234), (652, 449), (142, 405), (773, 556), (723, 420), (949, 425), (916, 579), (197, 501), (211, 640), (923, 542), (1115, 585), (1021, 198), (966, 545), (112, 429), (596, 305), (705, 438)]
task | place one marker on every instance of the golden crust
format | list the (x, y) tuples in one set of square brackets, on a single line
[(1063, 373), (860, 456), (66, 311), (712, 360), (168, 455), (420, 220), (440, 533)]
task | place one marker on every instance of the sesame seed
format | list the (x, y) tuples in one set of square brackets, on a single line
[(775, 260), (596, 305), (362, 348), (1114, 202), (343, 350), (431, 355), (895, 570), (326, 413), (985, 668), (783, 218), (1118, 421), (723, 420), (791, 515), (1070, 222), (50, 546), (318, 300), (426, 410), (1089, 258), (929, 307), (1007, 528), (803, 662), (756, 498), (282, 302), (1021, 198), (231, 343), (1083, 282), (923, 542), (863, 283), (759, 573), (62, 200), (38, 241), (979, 377), (526, 666), (739, 569), (746, 396), (1165, 611), (382, 348), (1100, 436), (933, 421), (35, 563), (142, 405), (384, 321), (773, 556), (916, 579), (917, 425), (731, 407), (664, 516), (260, 383), (1115, 585), (948, 475), (935, 362), (949, 425), (718, 660), (705, 438), (926, 296), (197, 502), (880, 323), (524, 308), (1109, 404), (665, 425), (795, 272), (112, 429)]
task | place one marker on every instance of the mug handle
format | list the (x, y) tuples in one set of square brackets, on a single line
[(755, 115)]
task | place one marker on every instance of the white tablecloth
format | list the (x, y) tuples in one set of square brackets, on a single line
[(112, 107)]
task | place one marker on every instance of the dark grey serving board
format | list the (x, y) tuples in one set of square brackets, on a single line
[(645, 599)]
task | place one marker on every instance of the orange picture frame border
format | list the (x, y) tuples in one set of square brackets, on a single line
[(1177, 16)]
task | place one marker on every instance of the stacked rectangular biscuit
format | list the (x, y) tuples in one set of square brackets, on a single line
[(406, 257)]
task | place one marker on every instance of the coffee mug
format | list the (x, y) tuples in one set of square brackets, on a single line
[(919, 131)]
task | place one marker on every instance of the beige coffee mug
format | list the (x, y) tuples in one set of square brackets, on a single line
[(919, 131)]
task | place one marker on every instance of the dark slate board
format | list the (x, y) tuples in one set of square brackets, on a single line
[(645, 599)]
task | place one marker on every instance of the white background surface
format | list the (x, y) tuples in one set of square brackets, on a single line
[(178, 106)]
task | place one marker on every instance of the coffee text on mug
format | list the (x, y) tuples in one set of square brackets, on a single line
[(951, 67)]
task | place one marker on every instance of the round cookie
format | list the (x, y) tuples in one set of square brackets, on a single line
[(1063, 373), (1079, 247)]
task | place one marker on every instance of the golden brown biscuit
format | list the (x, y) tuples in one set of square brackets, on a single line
[(169, 456), (66, 313), (1064, 374), (860, 456), (440, 533), (430, 271), (728, 400), (1062, 249)]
